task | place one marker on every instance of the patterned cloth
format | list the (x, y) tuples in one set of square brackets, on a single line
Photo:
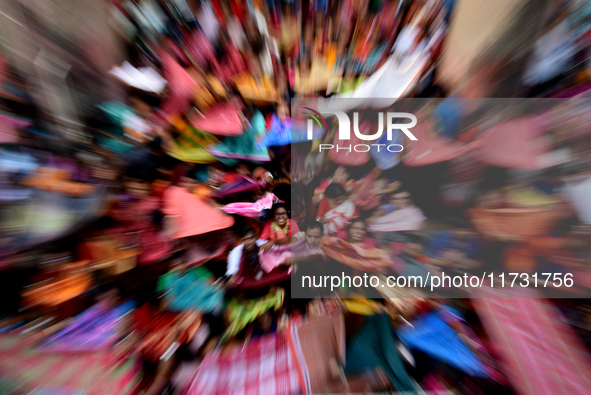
[(93, 330), (540, 353), (265, 366), (89, 373)]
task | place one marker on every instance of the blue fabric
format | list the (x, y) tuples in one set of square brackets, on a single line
[(279, 133), (434, 336), (447, 240), (383, 158), (449, 114)]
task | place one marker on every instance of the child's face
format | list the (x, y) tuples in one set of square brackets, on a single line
[(249, 241)]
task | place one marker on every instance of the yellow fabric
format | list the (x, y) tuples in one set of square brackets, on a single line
[(252, 92), (529, 197)]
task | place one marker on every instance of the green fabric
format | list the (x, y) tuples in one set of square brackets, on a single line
[(375, 346), (116, 112), (243, 312), (191, 291), (243, 147)]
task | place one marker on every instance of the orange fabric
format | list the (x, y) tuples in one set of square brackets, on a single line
[(514, 222), (194, 216)]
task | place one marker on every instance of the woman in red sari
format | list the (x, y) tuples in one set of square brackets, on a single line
[(279, 229)]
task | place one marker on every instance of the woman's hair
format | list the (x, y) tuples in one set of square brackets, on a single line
[(247, 230), (275, 207), (335, 191), (315, 225), (357, 220)]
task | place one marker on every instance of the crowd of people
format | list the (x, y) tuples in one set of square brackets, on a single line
[(165, 251)]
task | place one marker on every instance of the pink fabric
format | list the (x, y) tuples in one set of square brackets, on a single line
[(182, 87), (351, 158), (541, 354), (267, 235), (194, 216), (265, 366), (302, 249), (363, 198), (514, 144), (409, 218), (274, 257), (251, 209), (200, 49), (429, 148), (223, 119), (9, 127)]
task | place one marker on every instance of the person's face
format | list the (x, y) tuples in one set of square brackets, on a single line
[(281, 216), (334, 202), (138, 188), (401, 200), (141, 107), (249, 241), (357, 232), (313, 237)]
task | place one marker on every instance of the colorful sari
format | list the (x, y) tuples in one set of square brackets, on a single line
[(242, 312), (540, 353), (222, 119), (191, 145), (278, 134), (193, 216), (191, 290), (337, 217), (95, 329), (251, 209), (354, 256), (240, 185), (266, 365), (273, 232), (244, 147)]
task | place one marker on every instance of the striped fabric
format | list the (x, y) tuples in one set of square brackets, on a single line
[(540, 353)]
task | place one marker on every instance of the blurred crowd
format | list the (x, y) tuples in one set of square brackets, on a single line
[(159, 251)]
